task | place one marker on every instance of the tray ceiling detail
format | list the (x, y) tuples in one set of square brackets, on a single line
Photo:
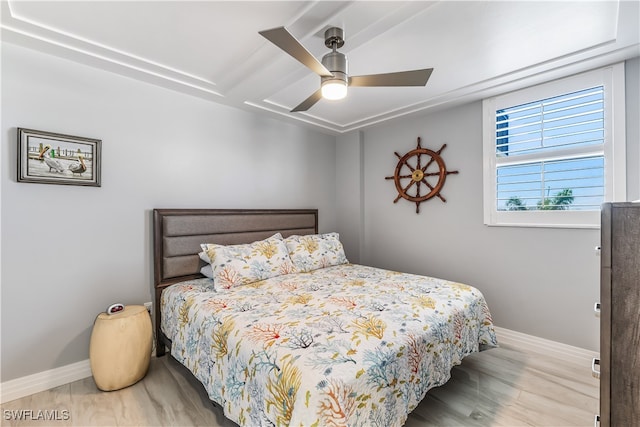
[(212, 49)]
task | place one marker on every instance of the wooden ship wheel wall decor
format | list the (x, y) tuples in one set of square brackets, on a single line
[(419, 172)]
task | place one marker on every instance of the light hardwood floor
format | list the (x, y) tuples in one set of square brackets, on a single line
[(499, 387)]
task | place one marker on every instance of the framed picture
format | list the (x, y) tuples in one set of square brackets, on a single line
[(52, 158)]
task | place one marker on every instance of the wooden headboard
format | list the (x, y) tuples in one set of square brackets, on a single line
[(178, 233)]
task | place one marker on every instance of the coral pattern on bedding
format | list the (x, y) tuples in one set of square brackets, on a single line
[(347, 345), (315, 251), (237, 265)]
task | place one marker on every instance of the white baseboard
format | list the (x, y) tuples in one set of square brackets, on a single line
[(533, 344), (25, 386)]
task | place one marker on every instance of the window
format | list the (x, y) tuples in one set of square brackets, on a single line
[(554, 153)]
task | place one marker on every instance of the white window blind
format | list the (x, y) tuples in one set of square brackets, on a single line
[(555, 152), (566, 135)]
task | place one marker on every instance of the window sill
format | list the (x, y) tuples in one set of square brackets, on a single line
[(543, 219)]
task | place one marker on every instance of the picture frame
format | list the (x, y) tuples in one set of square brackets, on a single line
[(53, 158)]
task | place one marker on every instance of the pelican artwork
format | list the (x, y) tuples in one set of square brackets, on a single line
[(78, 168), (54, 164)]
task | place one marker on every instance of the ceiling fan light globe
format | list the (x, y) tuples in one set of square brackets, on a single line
[(334, 89)]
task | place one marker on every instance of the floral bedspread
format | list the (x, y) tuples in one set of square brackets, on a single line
[(345, 345)]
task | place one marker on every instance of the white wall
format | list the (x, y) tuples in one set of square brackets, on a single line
[(350, 194), (632, 86), (538, 281), (68, 252)]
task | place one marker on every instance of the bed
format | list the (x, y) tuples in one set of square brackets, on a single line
[(330, 344)]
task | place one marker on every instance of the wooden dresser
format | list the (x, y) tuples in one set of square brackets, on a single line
[(620, 315)]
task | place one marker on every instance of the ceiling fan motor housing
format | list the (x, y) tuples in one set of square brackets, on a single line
[(335, 61)]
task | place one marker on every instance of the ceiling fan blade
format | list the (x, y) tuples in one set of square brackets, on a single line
[(402, 78), (285, 41), (309, 102)]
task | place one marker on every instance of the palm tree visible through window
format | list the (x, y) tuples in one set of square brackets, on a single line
[(560, 202)]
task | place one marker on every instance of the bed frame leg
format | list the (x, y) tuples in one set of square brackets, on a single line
[(160, 338), (160, 349), (163, 343)]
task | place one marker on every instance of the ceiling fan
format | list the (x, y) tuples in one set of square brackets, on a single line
[(334, 77)]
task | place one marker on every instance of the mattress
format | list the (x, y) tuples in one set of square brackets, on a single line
[(344, 345)]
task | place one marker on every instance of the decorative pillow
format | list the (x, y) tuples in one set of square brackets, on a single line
[(203, 256), (236, 265), (207, 271), (315, 251)]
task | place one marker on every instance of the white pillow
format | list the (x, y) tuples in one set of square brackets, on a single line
[(203, 256), (207, 271)]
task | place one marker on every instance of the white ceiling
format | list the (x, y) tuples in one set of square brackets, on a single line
[(212, 49)]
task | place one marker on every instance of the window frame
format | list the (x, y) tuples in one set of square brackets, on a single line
[(612, 78)]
